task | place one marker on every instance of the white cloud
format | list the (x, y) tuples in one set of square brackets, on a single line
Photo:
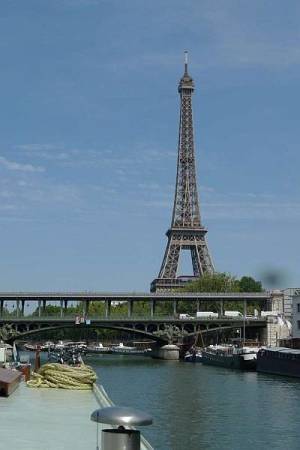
[(16, 166), (47, 151)]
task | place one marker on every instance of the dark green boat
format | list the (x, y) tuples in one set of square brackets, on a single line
[(241, 358)]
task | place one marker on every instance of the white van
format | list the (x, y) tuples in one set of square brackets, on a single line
[(206, 314), (268, 313), (185, 316), (233, 314)]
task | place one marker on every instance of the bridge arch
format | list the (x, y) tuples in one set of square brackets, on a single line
[(37, 329)]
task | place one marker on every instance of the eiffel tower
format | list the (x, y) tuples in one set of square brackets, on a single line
[(186, 231)]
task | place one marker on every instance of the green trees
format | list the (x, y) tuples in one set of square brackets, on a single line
[(248, 284), (223, 282), (54, 310), (216, 282)]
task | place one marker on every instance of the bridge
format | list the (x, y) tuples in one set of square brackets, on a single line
[(16, 310)]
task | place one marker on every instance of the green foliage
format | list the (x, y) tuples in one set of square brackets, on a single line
[(95, 309), (53, 310), (223, 282), (7, 332), (248, 284), (216, 282), (140, 308)]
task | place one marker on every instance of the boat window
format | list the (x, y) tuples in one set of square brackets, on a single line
[(298, 322), (298, 307)]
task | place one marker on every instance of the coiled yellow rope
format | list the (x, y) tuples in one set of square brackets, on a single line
[(54, 375)]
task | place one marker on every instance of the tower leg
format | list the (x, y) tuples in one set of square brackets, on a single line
[(204, 257), (170, 261), (197, 269)]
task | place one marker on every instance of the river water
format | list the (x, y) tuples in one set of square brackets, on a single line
[(198, 407)]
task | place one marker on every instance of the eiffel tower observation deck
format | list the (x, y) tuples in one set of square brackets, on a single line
[(186, 231)]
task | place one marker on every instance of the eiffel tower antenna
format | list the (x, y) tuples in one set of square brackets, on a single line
[(186, 60), (186, 231)]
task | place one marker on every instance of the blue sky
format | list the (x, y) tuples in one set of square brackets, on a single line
[(88, 137)]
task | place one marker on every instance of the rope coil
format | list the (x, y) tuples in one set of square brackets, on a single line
[(54, 375)]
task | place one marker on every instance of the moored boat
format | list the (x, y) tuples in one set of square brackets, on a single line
[(98, 349), (242, 358), (122, 349), (279, 361), (193, 355)]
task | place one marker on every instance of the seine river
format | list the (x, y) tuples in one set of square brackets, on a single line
[(197, 407)]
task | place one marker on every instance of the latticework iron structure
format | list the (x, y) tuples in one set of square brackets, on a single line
[(186, 232)]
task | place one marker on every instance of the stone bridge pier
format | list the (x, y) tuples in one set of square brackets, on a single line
[(169, 352)]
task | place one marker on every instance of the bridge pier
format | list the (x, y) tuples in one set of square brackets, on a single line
[(39, 307), (130, 307), (245, 307), (18, 308), (152, 307), (61, 308), (22, 307), (44, 306), (85, 308), (1, 308), (221, 308), (169, 352), (175, 307), (107, 308), (273, 332), (65, 306)]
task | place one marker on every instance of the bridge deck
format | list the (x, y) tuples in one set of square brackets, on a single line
[(130, 320), (136, 296)]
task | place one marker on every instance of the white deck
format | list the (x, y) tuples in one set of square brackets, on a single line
[(51, 419), (48, 419)]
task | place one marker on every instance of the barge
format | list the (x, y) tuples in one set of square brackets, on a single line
[(53, 419), (242, 358), (279, 361)]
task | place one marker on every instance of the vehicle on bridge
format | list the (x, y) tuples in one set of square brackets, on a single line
[(206, 314), (185, 316), (233, 314), (268, 313)]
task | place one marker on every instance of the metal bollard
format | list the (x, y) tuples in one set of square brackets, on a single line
[(120, 438)]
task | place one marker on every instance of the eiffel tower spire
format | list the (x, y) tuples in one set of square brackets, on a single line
[(186, 231)]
